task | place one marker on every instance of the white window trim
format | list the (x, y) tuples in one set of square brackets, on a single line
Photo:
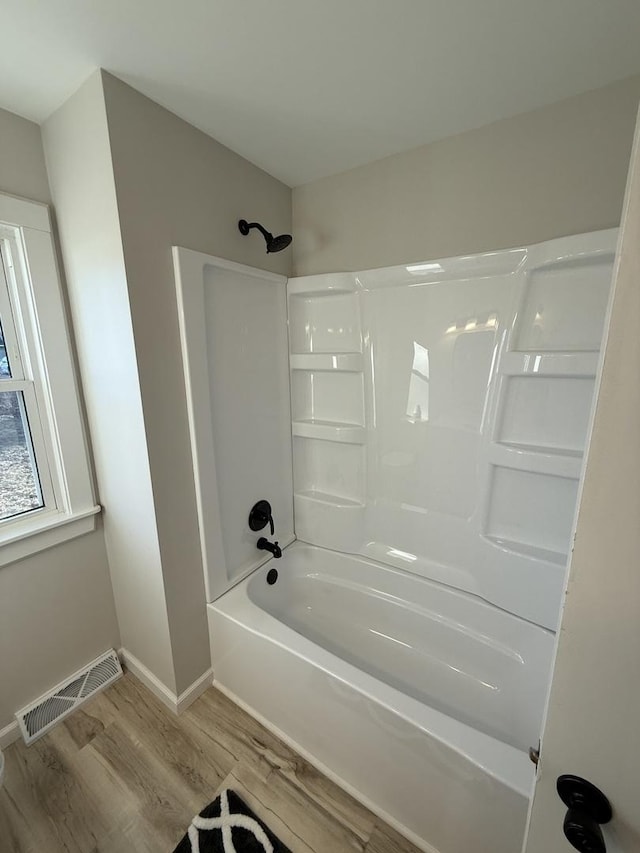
[(42, 316)]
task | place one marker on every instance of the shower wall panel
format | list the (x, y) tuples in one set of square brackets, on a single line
[(441, 411), (233, 324)]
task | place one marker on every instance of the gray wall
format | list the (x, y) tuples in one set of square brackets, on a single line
[(177, 186), (56, 614), (78, 155), (555, 171), (22, 167), (56, 608)]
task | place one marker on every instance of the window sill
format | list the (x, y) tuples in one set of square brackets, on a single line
[(23, 539)]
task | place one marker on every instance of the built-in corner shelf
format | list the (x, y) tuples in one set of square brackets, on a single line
[(541, 460), (335, 501), (569, 363), (328, 410), (330, 520), (345, 361), (314, 287), (329, 431), (534, 552), (542, 448)]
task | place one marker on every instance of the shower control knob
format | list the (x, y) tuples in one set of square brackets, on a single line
[(260, 516), (587, 808)]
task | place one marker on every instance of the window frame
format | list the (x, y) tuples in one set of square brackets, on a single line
[(42, 368)]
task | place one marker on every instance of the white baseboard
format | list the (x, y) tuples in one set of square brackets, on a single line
[(150, 681), (188, 696), (9, 734), (177, 704)]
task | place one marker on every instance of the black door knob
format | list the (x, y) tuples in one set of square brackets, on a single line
[(587, 808)]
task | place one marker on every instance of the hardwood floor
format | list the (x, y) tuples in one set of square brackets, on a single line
[(124, 775)]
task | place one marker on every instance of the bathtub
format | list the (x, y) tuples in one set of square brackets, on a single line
[(419, 700)]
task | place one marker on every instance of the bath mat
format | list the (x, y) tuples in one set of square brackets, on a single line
[(227, 825)]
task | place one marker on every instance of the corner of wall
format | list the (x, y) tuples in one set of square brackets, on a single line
[(78, 153)]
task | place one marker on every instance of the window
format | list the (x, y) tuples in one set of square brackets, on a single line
[(45, 484), (25, 483)]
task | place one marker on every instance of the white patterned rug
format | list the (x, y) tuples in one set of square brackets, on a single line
[(227, 825)]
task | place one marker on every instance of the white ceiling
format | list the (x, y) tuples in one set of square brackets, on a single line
[(306, 88)]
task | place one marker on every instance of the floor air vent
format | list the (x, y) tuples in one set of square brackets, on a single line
[(38, 717)]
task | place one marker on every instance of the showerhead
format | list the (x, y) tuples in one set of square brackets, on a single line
[(277, 244), (274, 244)]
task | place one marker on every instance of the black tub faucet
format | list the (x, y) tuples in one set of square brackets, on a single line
[(273, 547)]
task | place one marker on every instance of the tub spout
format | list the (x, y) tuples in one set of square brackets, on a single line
[(273, 547)]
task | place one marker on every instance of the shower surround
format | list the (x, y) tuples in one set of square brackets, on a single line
[(440, 413), (438, 417)]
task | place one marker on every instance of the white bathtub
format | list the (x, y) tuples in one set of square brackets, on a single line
[(420, 700)]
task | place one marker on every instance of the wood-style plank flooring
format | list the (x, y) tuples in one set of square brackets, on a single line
[(124, 775)]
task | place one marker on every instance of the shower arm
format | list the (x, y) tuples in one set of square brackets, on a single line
[(247, 226)]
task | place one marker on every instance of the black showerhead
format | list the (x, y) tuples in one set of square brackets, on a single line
[(277, 244), (274, 244)]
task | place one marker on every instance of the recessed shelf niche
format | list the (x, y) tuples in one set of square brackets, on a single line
[(324, 324), (332, 469), (565, 306), (546, 412), (323, 396), (532, 509)]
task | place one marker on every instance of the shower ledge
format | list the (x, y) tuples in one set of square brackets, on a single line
[(313, 287), (541, 460), (329, 431), (331, 500), (545, 555), (571, 364)]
